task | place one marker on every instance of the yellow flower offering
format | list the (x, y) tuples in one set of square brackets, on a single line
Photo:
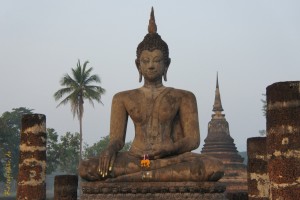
[(145, 162)]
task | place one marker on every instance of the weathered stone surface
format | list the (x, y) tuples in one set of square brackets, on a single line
[(220, 144), (32, 162), (65, 187), (283, 128), (153, 190), (155, 196), (258, 177), (237, 196)]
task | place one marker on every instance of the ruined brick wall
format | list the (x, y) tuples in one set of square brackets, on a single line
[(283, 128), (32, 162), (258, 177)]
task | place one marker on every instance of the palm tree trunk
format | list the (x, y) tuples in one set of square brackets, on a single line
[(80, 151), (80, 99), (80, 132)]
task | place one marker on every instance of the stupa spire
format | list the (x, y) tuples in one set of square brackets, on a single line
[(152, 28), (220, 144), (217, 107)]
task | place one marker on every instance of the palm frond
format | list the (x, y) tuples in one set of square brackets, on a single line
[(92, 79), (58, 94), (77, 73), (66, 80), (64, 101), (94, 93), (85, 72)]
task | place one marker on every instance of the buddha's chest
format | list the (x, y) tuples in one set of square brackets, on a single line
[(144, 109)]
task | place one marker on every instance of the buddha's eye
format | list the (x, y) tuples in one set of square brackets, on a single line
[(157, 60), (145, 61)]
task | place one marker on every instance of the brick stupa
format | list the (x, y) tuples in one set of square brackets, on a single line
[(220, 144)]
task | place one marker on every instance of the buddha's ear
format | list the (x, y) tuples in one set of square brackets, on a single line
[(166, 68), (168, 62), (137, 64)]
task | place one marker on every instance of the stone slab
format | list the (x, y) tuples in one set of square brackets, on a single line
[(156, 196), (153, 190)]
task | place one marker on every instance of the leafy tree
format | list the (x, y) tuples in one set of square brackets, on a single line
[(264, 110), (52, 152), (77, 88), (127, 146), (10, 127), (68, 152), (3, 131), (264, 106), (96, 148)]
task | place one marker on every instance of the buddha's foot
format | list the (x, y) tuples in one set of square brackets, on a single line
[(216, 176)]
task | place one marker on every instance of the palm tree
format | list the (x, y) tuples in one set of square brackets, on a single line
[(76, 89)]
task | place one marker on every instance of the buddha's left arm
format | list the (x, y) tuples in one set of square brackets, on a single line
[(188, 114)]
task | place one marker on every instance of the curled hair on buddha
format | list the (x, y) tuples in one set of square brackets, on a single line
[(153, 41)]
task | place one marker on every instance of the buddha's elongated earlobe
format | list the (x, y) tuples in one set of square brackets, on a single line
[(165, 76), (167, 64), (137, 64), (141, 77)]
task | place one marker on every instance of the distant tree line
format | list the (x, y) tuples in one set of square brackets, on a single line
[(62, 152)]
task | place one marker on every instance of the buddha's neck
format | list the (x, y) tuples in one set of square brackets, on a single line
[(153, 85), (151, 91)]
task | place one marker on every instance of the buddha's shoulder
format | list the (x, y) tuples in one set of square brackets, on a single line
[(182, 93), (127, 93)]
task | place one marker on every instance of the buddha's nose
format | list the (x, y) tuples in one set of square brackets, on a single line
[(151, 66)]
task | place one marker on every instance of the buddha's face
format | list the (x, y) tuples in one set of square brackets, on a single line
[(152, 65)]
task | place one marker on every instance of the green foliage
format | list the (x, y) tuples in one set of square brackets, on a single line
[(52, 152), (68, 152), (10, 127), (264, 106), (127, 146), (264, 110), (2, 170), (262, 132), (96, 148)]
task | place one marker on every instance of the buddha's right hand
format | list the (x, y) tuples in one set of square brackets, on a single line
[(106, 161)]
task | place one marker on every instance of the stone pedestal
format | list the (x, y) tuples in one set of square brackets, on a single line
[(153, 190), (65, 187)]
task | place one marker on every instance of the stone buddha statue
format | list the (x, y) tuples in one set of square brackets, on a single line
[(166, 127)]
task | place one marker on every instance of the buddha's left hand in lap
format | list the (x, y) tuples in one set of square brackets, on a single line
[(161, 151)]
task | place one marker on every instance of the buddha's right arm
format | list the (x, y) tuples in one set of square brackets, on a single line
[(118, 123)]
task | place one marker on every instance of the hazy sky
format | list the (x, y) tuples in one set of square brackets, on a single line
[(251, 44)]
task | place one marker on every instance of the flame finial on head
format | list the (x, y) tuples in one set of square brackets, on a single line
[(152, 28)]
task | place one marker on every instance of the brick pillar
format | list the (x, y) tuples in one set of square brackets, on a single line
[(258, 178), (65, 187), (32, 162), (283, 140)]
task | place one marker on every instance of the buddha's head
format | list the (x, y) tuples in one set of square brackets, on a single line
[(152, 41)]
